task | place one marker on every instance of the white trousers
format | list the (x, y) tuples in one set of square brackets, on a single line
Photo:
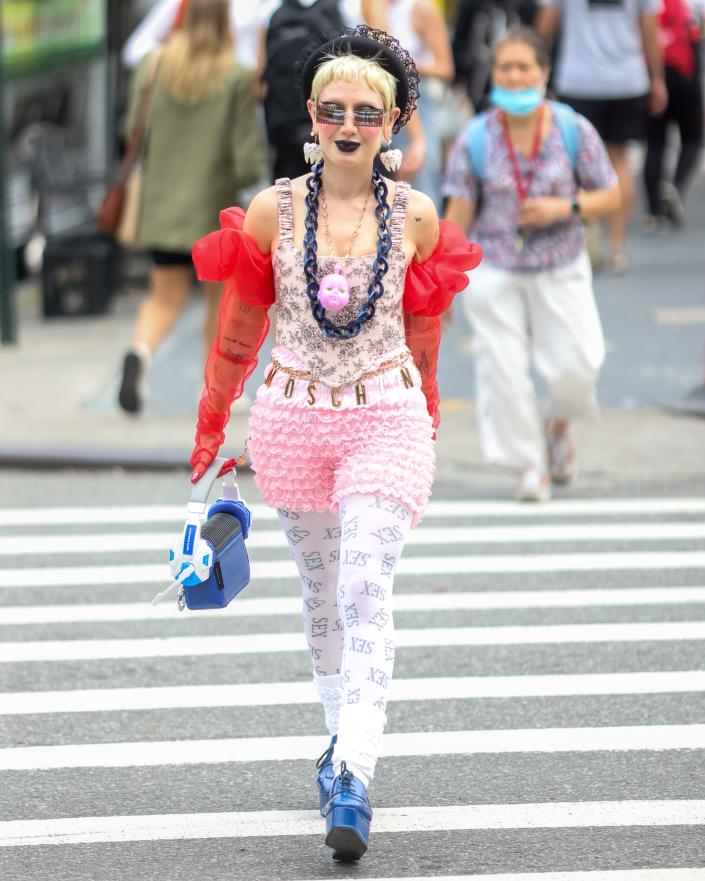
[(547, 319), (347, 566)]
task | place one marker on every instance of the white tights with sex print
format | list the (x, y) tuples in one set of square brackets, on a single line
[(347, 565)]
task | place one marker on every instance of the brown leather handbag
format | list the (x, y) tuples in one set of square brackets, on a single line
[(110, 214)]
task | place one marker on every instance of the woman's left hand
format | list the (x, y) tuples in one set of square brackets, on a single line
[(543, 211)]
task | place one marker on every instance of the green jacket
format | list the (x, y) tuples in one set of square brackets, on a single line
[(197, 157)]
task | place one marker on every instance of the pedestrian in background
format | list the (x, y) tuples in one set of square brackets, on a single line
[(478, 25), (680, 35), (203, 144), (287, 29), (291, 26), (536, 171), (610, 69), (421, 29), (169, 15)]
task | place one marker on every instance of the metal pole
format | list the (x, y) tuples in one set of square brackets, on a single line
[(8, 314)]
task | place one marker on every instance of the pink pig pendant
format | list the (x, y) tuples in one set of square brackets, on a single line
[(333, 291)]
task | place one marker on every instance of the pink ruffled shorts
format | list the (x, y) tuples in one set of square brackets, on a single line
[(311, 447)]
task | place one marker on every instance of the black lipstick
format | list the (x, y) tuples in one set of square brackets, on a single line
[(347, 146)]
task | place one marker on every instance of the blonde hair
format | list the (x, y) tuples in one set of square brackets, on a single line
[(197, 57), (353, 69)]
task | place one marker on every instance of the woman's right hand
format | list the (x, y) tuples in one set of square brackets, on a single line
[(540, 211), (200, 461), (199, 471)]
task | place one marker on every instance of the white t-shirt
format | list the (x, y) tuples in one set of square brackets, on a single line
[(246, 19), (601, 53)]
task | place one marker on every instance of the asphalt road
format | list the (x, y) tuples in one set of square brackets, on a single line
[(549, 720)]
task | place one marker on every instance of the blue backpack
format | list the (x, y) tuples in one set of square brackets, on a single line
[(566, 119)]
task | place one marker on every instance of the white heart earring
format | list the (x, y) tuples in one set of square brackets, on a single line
[(312, 150), (391, 159)]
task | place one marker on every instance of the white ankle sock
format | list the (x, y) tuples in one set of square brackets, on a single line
[(330, 692)]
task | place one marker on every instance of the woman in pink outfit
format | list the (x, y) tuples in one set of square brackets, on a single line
[(342, 430)]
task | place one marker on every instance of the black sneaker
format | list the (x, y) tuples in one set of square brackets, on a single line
[(130, 396)]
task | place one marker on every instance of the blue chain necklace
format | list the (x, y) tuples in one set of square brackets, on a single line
[(379, 267)]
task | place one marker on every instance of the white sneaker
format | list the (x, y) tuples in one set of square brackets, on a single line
[(534, 485), (561, 456)]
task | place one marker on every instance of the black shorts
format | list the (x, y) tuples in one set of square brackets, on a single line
[(170, 258), (617, 120)]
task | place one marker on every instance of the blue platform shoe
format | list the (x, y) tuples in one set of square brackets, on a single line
[(348, 815), (326, 774)]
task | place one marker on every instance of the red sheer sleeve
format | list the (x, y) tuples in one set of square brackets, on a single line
[(232, 253), (423, 337), (233, 256), (242, 329), (428, 292)]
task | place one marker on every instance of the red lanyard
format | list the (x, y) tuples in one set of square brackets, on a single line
[(523, 185)]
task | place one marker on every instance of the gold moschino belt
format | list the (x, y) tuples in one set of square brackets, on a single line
[(399, 362)]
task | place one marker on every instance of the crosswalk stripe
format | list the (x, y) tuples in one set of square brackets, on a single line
[(638, 738), (448, 565), (287, 693), (266, 824), (403, 602), (426, 535), (73, 515), (601, 875), (274, 643)]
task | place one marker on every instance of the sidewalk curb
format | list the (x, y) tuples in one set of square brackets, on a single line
[(48, 458)]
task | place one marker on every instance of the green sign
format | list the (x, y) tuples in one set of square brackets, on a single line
[(35, 32)]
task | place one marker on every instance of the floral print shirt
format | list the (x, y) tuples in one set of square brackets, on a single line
[(496, 223)]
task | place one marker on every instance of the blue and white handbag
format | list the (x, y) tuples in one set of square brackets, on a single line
[(210, 565)]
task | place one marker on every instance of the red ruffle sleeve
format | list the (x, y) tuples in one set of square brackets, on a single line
[(230, 255), (431, 285), (428, 292)]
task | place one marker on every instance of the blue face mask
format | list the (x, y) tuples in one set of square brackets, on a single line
[(517, 102)]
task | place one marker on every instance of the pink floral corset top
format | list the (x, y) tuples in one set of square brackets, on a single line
[(339, 362)]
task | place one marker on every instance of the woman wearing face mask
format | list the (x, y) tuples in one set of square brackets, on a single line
[(525, 176)]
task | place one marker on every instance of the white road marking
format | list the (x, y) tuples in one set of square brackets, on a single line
[(261, 694), (448, 565), (426, 535), (274, 643), (639, 738), (58, 516), (601, 875), (267, 824), (403, 602)]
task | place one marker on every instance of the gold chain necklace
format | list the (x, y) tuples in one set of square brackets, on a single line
[(326, 230), (334, 290)]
